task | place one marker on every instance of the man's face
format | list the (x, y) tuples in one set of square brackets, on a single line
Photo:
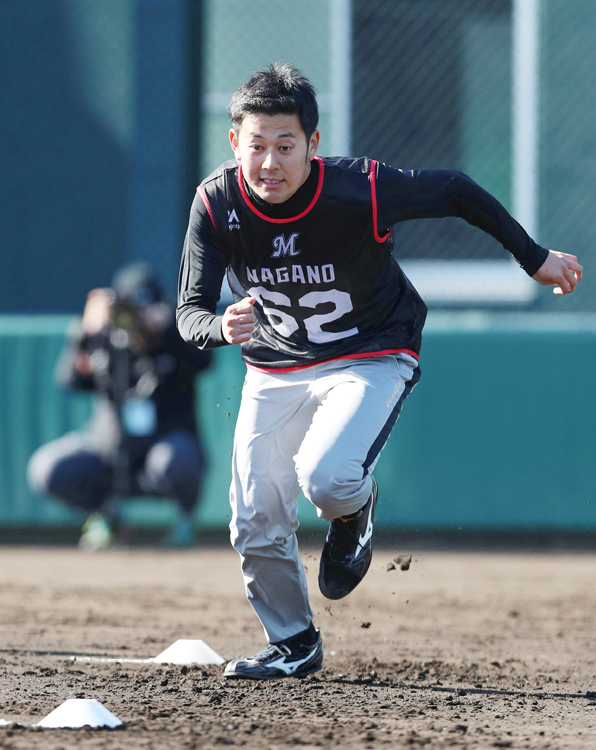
[(274, 154)]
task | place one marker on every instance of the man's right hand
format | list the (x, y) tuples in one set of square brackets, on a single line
[(238, 321)]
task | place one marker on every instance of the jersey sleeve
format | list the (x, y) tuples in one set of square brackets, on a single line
[(438, 193), (199, 283)]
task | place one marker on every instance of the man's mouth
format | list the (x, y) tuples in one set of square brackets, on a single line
[(270, 181)]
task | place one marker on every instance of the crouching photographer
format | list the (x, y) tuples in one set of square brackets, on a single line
[(142, 438)]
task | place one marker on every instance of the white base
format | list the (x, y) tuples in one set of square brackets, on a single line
[(80, 712), (183, 651), (189, 652)]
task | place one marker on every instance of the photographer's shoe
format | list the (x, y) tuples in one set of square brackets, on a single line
[(347, 551), (277, 661), (96, 534)]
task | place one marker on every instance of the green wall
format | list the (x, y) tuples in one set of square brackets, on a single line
[(500, 433), (501, 430)]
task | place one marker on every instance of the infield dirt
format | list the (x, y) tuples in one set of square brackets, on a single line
[(463, 650)]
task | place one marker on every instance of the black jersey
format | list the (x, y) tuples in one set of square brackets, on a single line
[(320, 264)]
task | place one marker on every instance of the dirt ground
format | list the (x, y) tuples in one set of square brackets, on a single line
[(463, 650)]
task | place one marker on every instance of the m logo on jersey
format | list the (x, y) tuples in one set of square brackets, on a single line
[(285, 247), (233, 220)]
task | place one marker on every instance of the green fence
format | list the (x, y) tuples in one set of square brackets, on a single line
[(112, 111), (504, 90), (499, 434)]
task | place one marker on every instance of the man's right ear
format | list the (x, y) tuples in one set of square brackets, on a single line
[(234, 143)]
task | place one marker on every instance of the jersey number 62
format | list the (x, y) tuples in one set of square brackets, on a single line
[(285, 324)]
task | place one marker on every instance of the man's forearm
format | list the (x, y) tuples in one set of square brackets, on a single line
[(440, 193), (200, 327)]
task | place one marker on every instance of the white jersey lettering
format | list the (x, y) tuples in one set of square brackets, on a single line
[(328, 273), (343, 305), (285, 324), (281, 321), (266, 275), (282, 275), (313, 274), (299, 275)]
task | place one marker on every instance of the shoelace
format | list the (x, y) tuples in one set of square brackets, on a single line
[(270, 651), (348, 534)]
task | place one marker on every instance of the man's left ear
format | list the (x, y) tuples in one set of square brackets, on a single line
[(313, 144)]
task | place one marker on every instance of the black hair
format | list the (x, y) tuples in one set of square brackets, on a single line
[(276, 90)]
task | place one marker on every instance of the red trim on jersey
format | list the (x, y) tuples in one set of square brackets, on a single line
[(373, 190), (205, 200), (255, 210), (331, 359)]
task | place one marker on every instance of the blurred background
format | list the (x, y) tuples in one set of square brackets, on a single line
[(112, 112)]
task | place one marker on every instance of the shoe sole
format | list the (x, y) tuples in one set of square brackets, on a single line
[(246, 676), (340, 593)]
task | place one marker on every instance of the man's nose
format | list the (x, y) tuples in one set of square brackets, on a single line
[(270, 160)]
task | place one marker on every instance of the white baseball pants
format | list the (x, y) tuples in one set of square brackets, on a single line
[(319, 429)]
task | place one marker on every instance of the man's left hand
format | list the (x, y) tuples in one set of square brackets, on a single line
[(560, 270)]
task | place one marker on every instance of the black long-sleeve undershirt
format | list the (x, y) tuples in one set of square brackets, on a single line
[(439, 193), (401, 196), (200, 280)]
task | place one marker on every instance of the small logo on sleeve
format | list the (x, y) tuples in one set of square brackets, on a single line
[(233, 220)]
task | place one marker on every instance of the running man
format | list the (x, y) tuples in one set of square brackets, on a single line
[(330, 330)]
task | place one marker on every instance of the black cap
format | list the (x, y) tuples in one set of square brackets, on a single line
[(136, 284)]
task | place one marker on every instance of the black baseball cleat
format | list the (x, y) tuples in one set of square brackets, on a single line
[(347, 551), (277, 661)]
